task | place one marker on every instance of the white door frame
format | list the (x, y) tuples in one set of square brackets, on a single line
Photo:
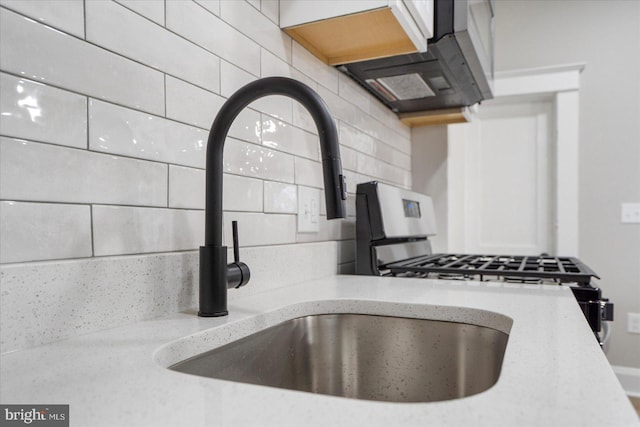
[(561, 84)]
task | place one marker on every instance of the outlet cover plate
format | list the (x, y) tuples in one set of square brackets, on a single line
[(630, 213), (633, 323), (308, 210)]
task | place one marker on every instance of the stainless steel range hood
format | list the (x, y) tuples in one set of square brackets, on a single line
[(455, 72)]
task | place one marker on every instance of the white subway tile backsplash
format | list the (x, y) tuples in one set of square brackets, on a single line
[(271, 9), (255, 161), (398, 141), (386, 172), (46, 55), (121, 230), (381, 113), (351, 197), (280, 107), (370, 166), (258, 229), (36, 111), (281, 265), (186, 187), (187, 190), (309, 173), (118, 130), (246, 126), (356, 139), (43, 172), (395, 139), (213, 34), (196, 106), (285, 137), (272, 65), (256, 26), (212, 6), (323, 203), (232, 78), (335, 229), (150, 9), (142, 40), (66, 15), (280, 198), (304, 61), (190, 104), (242, 194), (349, 158), (42, 231), (368, 125), (390, 154), (340, 109), (352, 92), (254, 3), (303, 119)]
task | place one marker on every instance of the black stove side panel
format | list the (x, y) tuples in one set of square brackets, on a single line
[(368, 228)]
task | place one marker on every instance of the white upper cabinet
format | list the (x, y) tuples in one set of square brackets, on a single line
[(339, 31)]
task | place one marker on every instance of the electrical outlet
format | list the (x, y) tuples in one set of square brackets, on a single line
[(633, 323), (308, 210), (631, 213)]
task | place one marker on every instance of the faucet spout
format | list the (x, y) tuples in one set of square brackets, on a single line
[(215, 274)]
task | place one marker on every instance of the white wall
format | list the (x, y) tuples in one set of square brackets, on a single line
[(105, 113), (429, 166)]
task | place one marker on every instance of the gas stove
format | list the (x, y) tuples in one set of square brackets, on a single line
[(509, 268), (393, 227)]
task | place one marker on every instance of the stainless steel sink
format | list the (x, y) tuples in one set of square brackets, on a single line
[(362, 356)]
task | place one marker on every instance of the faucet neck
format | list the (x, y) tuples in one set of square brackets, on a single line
[(335, 189)]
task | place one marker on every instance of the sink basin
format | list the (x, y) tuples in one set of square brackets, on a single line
[(362, 356)]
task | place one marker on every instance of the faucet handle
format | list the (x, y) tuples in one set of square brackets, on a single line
[(238, 273), (236, 249)]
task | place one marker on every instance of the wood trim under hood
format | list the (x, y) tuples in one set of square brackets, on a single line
[(437, 117)]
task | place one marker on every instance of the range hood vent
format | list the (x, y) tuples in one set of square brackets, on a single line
[(402, 87), (456, 71)]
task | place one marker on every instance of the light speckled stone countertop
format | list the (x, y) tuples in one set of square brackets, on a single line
[(553, 374)]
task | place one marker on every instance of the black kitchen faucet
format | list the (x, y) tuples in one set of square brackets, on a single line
[(215, 274)]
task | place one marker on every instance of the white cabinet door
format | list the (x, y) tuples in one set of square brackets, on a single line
[(422, 13), (297, 12)]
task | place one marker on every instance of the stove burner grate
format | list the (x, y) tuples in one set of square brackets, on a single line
[(518, 268)]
